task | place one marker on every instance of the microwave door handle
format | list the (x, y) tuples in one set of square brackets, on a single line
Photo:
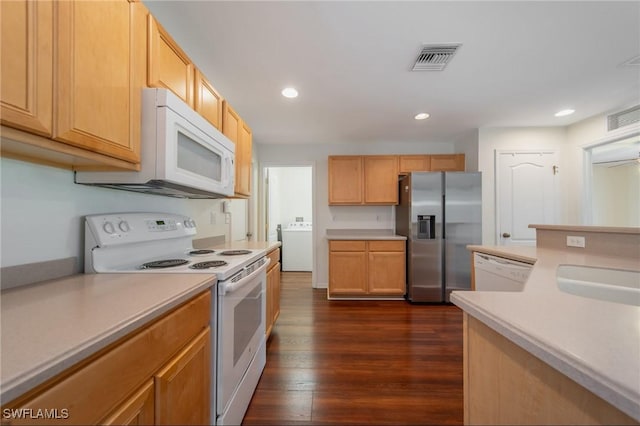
[(228, 170)]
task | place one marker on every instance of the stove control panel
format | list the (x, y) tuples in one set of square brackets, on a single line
[(126, 228)]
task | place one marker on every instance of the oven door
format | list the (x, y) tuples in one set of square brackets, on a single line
[(241, 330), (193, 157)]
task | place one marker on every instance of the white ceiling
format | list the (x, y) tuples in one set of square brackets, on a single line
[(519, 63)]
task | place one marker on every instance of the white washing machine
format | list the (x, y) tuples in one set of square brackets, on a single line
[(296, 247)]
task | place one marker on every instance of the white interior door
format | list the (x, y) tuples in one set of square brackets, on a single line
[(526, 193)]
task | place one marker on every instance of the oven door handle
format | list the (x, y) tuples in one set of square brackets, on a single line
[(231, 287)]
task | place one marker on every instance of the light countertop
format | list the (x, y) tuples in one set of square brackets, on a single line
[(595, 343), (527, 254), (50, 326), (363, 234), (267, 246)]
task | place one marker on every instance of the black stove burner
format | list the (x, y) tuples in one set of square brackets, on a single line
[(168, 263), (199, 252), (209, 264), (234, 252)]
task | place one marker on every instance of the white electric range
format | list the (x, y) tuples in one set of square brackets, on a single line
[(163, 243)]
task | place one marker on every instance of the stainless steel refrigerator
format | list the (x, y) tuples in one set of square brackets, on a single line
[(439, 213)]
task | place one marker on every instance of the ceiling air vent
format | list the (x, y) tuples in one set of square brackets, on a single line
[(633, 62), (434, 57), (623, 118)]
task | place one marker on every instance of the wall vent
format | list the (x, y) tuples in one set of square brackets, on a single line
[(434, 57), (623, 118)]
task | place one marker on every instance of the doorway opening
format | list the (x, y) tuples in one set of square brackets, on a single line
[(289, 215), (612, 176)]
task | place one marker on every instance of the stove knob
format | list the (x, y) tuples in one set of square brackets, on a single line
[(109, 228), (124, 226), (187, 223), (192, 223)]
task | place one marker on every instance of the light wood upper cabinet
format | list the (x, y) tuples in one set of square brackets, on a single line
[(26, 77), (168, 65), (243, 164), (447, 163), (208, 101), (381, 179), (96, 71), (240, 134), (355, 180), (414, 163), (346, 180)]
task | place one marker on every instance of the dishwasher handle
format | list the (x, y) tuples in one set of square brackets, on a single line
[(504, 263)]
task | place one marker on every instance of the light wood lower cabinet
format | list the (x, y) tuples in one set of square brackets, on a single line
[(371, 268), (273, 290), (157, 375), (505, 384)]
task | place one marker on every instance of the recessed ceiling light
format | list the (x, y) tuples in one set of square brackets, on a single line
[(565, 112), (421, 116), (289, 92)]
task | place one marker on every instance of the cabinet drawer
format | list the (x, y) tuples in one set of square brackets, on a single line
[(386, 245), (347, 245), (93, 390), (274, 255)]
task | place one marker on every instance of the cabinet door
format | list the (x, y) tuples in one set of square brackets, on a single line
[(414, 163), (96, 77), (387, 273), (137, 410), (26, 61), (381, 179), (168, 66), (447, 163), (270, 302), (243, 161), (347, 273), (183, 385), (230, 123), (276, 293), (208, 101), (345, 180)]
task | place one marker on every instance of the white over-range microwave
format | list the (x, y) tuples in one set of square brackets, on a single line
[(182, 154)]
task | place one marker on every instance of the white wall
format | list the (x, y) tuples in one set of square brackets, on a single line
[(468, 145), (616, 208), (336, 217), (41, 212)]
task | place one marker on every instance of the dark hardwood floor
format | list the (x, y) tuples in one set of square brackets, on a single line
[(359, 362)]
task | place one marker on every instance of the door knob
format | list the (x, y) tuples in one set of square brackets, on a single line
[(506, 235)]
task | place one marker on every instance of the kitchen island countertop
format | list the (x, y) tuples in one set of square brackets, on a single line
[(50, 326), (595, 343)]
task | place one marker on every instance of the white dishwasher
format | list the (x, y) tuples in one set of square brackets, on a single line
[(494, 273)]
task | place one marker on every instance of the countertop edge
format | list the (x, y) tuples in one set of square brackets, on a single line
[(17, 386), (598, 384)]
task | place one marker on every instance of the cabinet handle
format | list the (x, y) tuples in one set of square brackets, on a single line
[(506, 235)]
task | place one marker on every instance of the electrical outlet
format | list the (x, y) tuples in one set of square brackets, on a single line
[(575, 241)]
